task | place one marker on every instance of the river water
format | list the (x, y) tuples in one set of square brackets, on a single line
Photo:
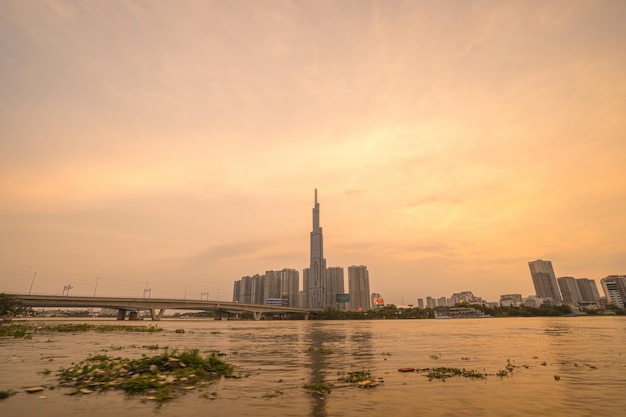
[(573, 366)]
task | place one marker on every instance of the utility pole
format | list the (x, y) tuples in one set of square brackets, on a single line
[(96, 287), (31, 283), (202, 294), (66, 290), (218, 294), (185, 296)]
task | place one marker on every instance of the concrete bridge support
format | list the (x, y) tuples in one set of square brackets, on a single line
[(218, 315), (257, 315), (121, 314), (156, 316)]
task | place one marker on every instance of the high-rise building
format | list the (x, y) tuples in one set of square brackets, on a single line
[(317, 271), (274, 285), (271, 286), (420, 303), (305, 288), (615, 289), (359, 287), (290, 286), (334, 286), (588, 291), (544, 279), (569, 290)]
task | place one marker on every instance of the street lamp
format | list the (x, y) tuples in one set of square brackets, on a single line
[(31, 283), (96, 287)]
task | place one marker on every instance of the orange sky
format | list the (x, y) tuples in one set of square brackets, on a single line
[(176, 144)]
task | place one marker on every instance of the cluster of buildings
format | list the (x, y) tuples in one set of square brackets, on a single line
[(457, 298), (577, 292), (549, 290), (322, 286)]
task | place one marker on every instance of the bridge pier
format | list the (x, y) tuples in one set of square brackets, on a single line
[(121, 314), (218, 315), (257, 315), (156, 316)]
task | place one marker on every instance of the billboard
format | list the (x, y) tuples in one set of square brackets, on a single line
[(342, 298)]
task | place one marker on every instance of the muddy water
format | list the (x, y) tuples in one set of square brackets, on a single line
[(586, 354)]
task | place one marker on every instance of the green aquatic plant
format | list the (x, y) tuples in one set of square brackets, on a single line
[(319, 350), (159, 378), (356, 376), (6, 394), (444, 373), (319, 388)]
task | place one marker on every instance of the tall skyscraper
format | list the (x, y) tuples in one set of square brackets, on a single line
[(544, 279), (359, 287), (317, 270)]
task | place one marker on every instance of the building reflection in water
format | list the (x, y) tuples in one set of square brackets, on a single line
[(331, 344)]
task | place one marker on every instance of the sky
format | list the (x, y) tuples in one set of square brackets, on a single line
[(175, 146)]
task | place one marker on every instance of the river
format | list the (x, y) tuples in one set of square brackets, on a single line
[(572, 366)]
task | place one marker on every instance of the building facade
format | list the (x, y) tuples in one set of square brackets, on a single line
[(334, 286), (544, 279), (614, 287), (588, 290), (569, 290), (290, 286), (359, 287)]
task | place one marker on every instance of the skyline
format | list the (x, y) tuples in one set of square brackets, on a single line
[(174, 146)]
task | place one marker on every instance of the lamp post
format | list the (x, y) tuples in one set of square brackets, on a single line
[(96, 287), (31, 283)]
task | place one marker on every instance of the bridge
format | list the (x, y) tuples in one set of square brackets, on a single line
[(157, 307)]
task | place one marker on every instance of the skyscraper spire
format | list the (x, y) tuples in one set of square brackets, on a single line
[(317, 271)]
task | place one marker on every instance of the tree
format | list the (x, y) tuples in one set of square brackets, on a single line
[(8, 305)]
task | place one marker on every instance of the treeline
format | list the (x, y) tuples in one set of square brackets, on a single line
[(391, 312)]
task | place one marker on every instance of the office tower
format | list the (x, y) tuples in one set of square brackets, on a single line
[(588, 290), (569, 290), (334, 286), (290, 286), (430, 302), (615, 289), (544, 279), (442, 302), (420, 303), (317, 270), (359, 287)]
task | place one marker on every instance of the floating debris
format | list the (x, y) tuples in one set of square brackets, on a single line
[(406, 369), (34, 389)]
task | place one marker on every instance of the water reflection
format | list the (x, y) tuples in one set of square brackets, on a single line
[(334, 346)]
